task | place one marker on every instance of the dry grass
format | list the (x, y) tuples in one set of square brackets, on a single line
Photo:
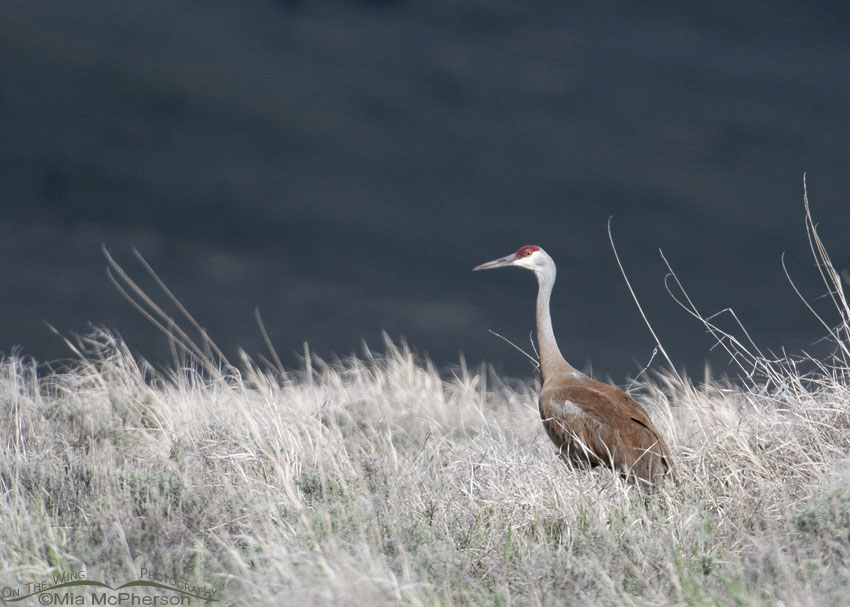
[(376, 481), (379, 480)]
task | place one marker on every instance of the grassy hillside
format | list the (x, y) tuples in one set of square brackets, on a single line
[(380, 480), (376, 481)]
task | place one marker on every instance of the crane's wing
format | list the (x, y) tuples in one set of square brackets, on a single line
[(594, 423)]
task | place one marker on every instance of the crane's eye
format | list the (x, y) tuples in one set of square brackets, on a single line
[(528, 252)]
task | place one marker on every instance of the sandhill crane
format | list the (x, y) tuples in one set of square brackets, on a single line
[(590, 422)]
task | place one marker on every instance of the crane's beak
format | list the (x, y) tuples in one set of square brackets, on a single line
[(507, 260)]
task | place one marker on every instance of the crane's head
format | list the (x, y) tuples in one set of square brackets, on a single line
[(530, 257)]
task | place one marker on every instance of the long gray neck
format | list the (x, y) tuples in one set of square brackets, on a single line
[(551, 359)]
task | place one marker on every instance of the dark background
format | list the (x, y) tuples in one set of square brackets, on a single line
[(343, 165)]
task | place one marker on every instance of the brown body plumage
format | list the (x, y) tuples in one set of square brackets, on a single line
[(590, 422)]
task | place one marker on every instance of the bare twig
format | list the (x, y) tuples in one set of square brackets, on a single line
[(637, 303), (180, 306), (533, 360), (268, 341), (158, 317)]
